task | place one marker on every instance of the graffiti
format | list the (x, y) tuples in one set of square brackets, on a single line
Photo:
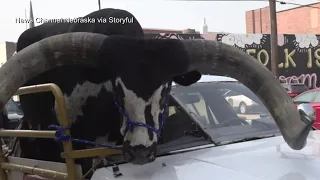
[(309, 80), (304, 41), (176, 36), (242, 40), (299, 54)]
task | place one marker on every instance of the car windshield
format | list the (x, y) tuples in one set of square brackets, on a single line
[(226, 111), (13, 108), (210, 114)]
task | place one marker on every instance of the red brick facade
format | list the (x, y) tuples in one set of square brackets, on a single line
[(302, 20)]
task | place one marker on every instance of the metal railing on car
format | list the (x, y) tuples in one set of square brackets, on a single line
[(69, 154)]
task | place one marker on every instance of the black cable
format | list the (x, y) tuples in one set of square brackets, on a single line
[(281, 2), (296, 4)]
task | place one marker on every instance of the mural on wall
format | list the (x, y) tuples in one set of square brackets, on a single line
[(299, 54)]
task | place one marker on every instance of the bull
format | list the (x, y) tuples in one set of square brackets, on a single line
[(89, 94), (102, 68)]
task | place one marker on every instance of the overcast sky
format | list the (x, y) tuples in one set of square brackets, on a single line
[(227, 16)]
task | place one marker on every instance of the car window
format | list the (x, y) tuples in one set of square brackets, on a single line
[(217, 112), (178, 123), (306, 97), (317, 97), (232, 93)]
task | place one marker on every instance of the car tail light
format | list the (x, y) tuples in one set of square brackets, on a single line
[(292, 94)]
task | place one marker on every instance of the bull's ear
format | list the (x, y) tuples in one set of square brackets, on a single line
[(188, 78)]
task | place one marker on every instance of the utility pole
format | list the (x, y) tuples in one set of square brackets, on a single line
[(99, 3), (274, 38)]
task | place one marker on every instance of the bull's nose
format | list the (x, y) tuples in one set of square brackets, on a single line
[(139, 154), (139, 151)]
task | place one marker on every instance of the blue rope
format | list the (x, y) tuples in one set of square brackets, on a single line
[(130, 125), (65, 138)]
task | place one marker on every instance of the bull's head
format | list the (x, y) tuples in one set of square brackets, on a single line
[(142, 70)]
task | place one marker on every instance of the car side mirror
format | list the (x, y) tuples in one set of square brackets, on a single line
[(307, 113)]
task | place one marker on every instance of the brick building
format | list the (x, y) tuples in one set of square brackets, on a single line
[(6, 51), (303, 19)]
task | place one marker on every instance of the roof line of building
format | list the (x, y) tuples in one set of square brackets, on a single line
[(301, 6)]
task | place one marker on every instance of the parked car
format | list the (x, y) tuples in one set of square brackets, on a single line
[(205, 138), (294, 89), (240, 102), (14, 114), (311, 97)]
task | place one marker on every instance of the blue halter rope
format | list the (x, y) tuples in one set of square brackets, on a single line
[(129, 126)]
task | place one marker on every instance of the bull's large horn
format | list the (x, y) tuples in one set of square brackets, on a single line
[(69, 48), (212, 57)]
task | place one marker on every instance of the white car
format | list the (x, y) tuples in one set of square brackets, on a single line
[(204, 138), (239, 102)]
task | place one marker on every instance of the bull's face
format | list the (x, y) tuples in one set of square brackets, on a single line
[(142, 87), (143, 115), (144, 108), (142, 70)]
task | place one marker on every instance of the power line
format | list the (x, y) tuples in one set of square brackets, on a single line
[(278, 1), (286, 3), (296, 4)]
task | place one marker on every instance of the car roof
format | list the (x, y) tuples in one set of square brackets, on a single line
[(213, 78), (311, 90), (293, 84), (316, 89)]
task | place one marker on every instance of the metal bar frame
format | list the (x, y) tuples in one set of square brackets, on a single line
[(69, 154)]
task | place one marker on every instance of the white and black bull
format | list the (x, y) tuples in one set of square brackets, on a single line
[(101, 74), (95, 96)]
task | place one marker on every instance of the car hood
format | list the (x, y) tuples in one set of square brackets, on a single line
[(264, 159)]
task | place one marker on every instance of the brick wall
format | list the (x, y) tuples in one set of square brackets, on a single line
[(258, 20), (6, 51), (10, 49), (293, 21)]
